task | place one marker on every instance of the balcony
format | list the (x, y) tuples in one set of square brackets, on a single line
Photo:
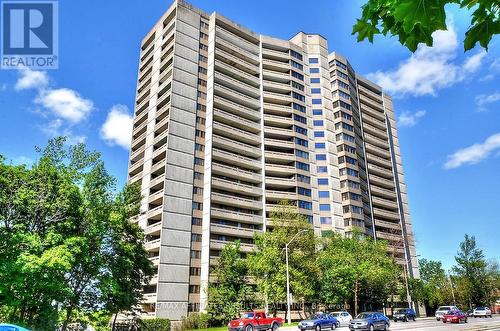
[(219, 244), (277, 76), (155, 260), (385, 193), (233, 231), (149, 298), (280, 182), (277, 109), (162, 125), (386, 214), (376, 105), (140, 129), (160, 139), (155, 213), (154, 229), (234, 146), (373, 112), (236, 121), (379, 161), (152, 245), (159, 167), (281, 195), (384, 203), (225, 214), (279, 143), (279, 157), (236, 40), (235, 108), (244, 99), (236, 159), (157, 182), (278, 121), (249, 176), (236, 73), (236, 51), (135, 178), (276, 87), (275, 65), (234, 186), (376, 180), (282, 99), (136, 167), (236, 84), (380, 171), (276, 169), (374, 127), (232, 200), (236, 62), (156, 198), (137, 154), (372, 149), (278, 132), (376, 141), (234, 133), (272, 54), (388, 225)]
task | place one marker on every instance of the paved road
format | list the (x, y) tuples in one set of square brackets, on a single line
[(474, 324)]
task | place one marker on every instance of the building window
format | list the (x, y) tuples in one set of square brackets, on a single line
[(200, 133), (199, 147), (317, 112), (204, 25), (203, 36), (304, 191), (302, 166), (196, 221), (316, 101), (197, 205), (296, 55), (297, 75), (202, 70), (324, 207), (315, 80), (197, 190), (201, 107), (301, 142), (324, 194), (322, 169), (299, 107), (319, 134), (318, 122), (313, 60), (198, 175), (203, 47), (195, 237), (320, 157), (322, 181), (316, 91), (305, 205), (314, 70), (298, 96), (304, 179), (199, 161), (202, 58), (194, 271), (194, 289), (319, 145), (200, 120), (300, 130), (300, 119), (195, 254), (297, 65), (298, 86), (325, 220), (302, 154), (202, 95)]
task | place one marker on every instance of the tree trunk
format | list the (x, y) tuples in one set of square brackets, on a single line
[(69, 311), (356, 299), (114, 322)]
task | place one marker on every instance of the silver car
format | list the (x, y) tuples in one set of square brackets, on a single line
[(482, 312), (443, 310)]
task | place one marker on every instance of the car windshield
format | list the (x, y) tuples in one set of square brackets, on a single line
[(481, 308), (444, 308), (247, 315), (401, 311), (364, 315), (335, 314), (318, 316)]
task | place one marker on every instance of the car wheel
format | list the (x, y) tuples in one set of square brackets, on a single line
[(465, 320), (437, 319), (334, 326), (372, 328), (338, 324), (385, 327), (318, 327), (249, 328), (275, 327), (406, 319)]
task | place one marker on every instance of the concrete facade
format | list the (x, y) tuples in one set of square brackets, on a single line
[(228, 123)]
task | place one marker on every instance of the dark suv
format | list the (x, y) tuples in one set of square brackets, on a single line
[(404, 315)]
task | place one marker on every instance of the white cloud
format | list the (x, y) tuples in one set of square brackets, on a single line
[(483, 100), (117, 129), (66, 104), (429, 69), (407, 119), (495, 65), (55, 128), (474, 153), (31, 79), (474, 62)]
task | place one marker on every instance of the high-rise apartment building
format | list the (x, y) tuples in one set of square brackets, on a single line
[(228, 123)]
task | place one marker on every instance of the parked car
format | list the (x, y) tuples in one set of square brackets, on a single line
[(319, 322), (455, 316), (252, 321), (442, 310), (405, 315), (482, 312), (469, 313), (370, 321), (343, 317), (11, 327)]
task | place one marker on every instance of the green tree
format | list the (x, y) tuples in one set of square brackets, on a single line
[(414, 21), (66, 243), (353, 267), (228, 290), (267, 263), (436, 285), (471, 267)]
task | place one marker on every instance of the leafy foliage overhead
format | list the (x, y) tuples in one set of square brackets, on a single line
[(414, 21)]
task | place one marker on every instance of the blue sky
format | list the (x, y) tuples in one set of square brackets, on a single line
[(447, 102)]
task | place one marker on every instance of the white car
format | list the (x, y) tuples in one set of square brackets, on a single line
[(343, 317), (482, 312), (443, 310)]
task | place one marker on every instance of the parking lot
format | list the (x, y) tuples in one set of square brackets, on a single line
[(475, 324)]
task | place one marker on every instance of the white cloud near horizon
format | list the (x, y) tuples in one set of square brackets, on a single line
[(117, 129), (483, 100), (474, 154), (408, 119), (66, 104), (429, 69)]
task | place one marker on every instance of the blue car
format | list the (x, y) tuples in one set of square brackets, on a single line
[(11, 327), (319, 322), (370, 321)]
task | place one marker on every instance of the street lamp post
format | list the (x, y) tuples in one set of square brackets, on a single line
[(289, 318)]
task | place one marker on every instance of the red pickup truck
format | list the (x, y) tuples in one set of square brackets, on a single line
[(253, 321)]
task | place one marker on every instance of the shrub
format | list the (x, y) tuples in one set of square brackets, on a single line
[(195, 321), (155, 324)]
